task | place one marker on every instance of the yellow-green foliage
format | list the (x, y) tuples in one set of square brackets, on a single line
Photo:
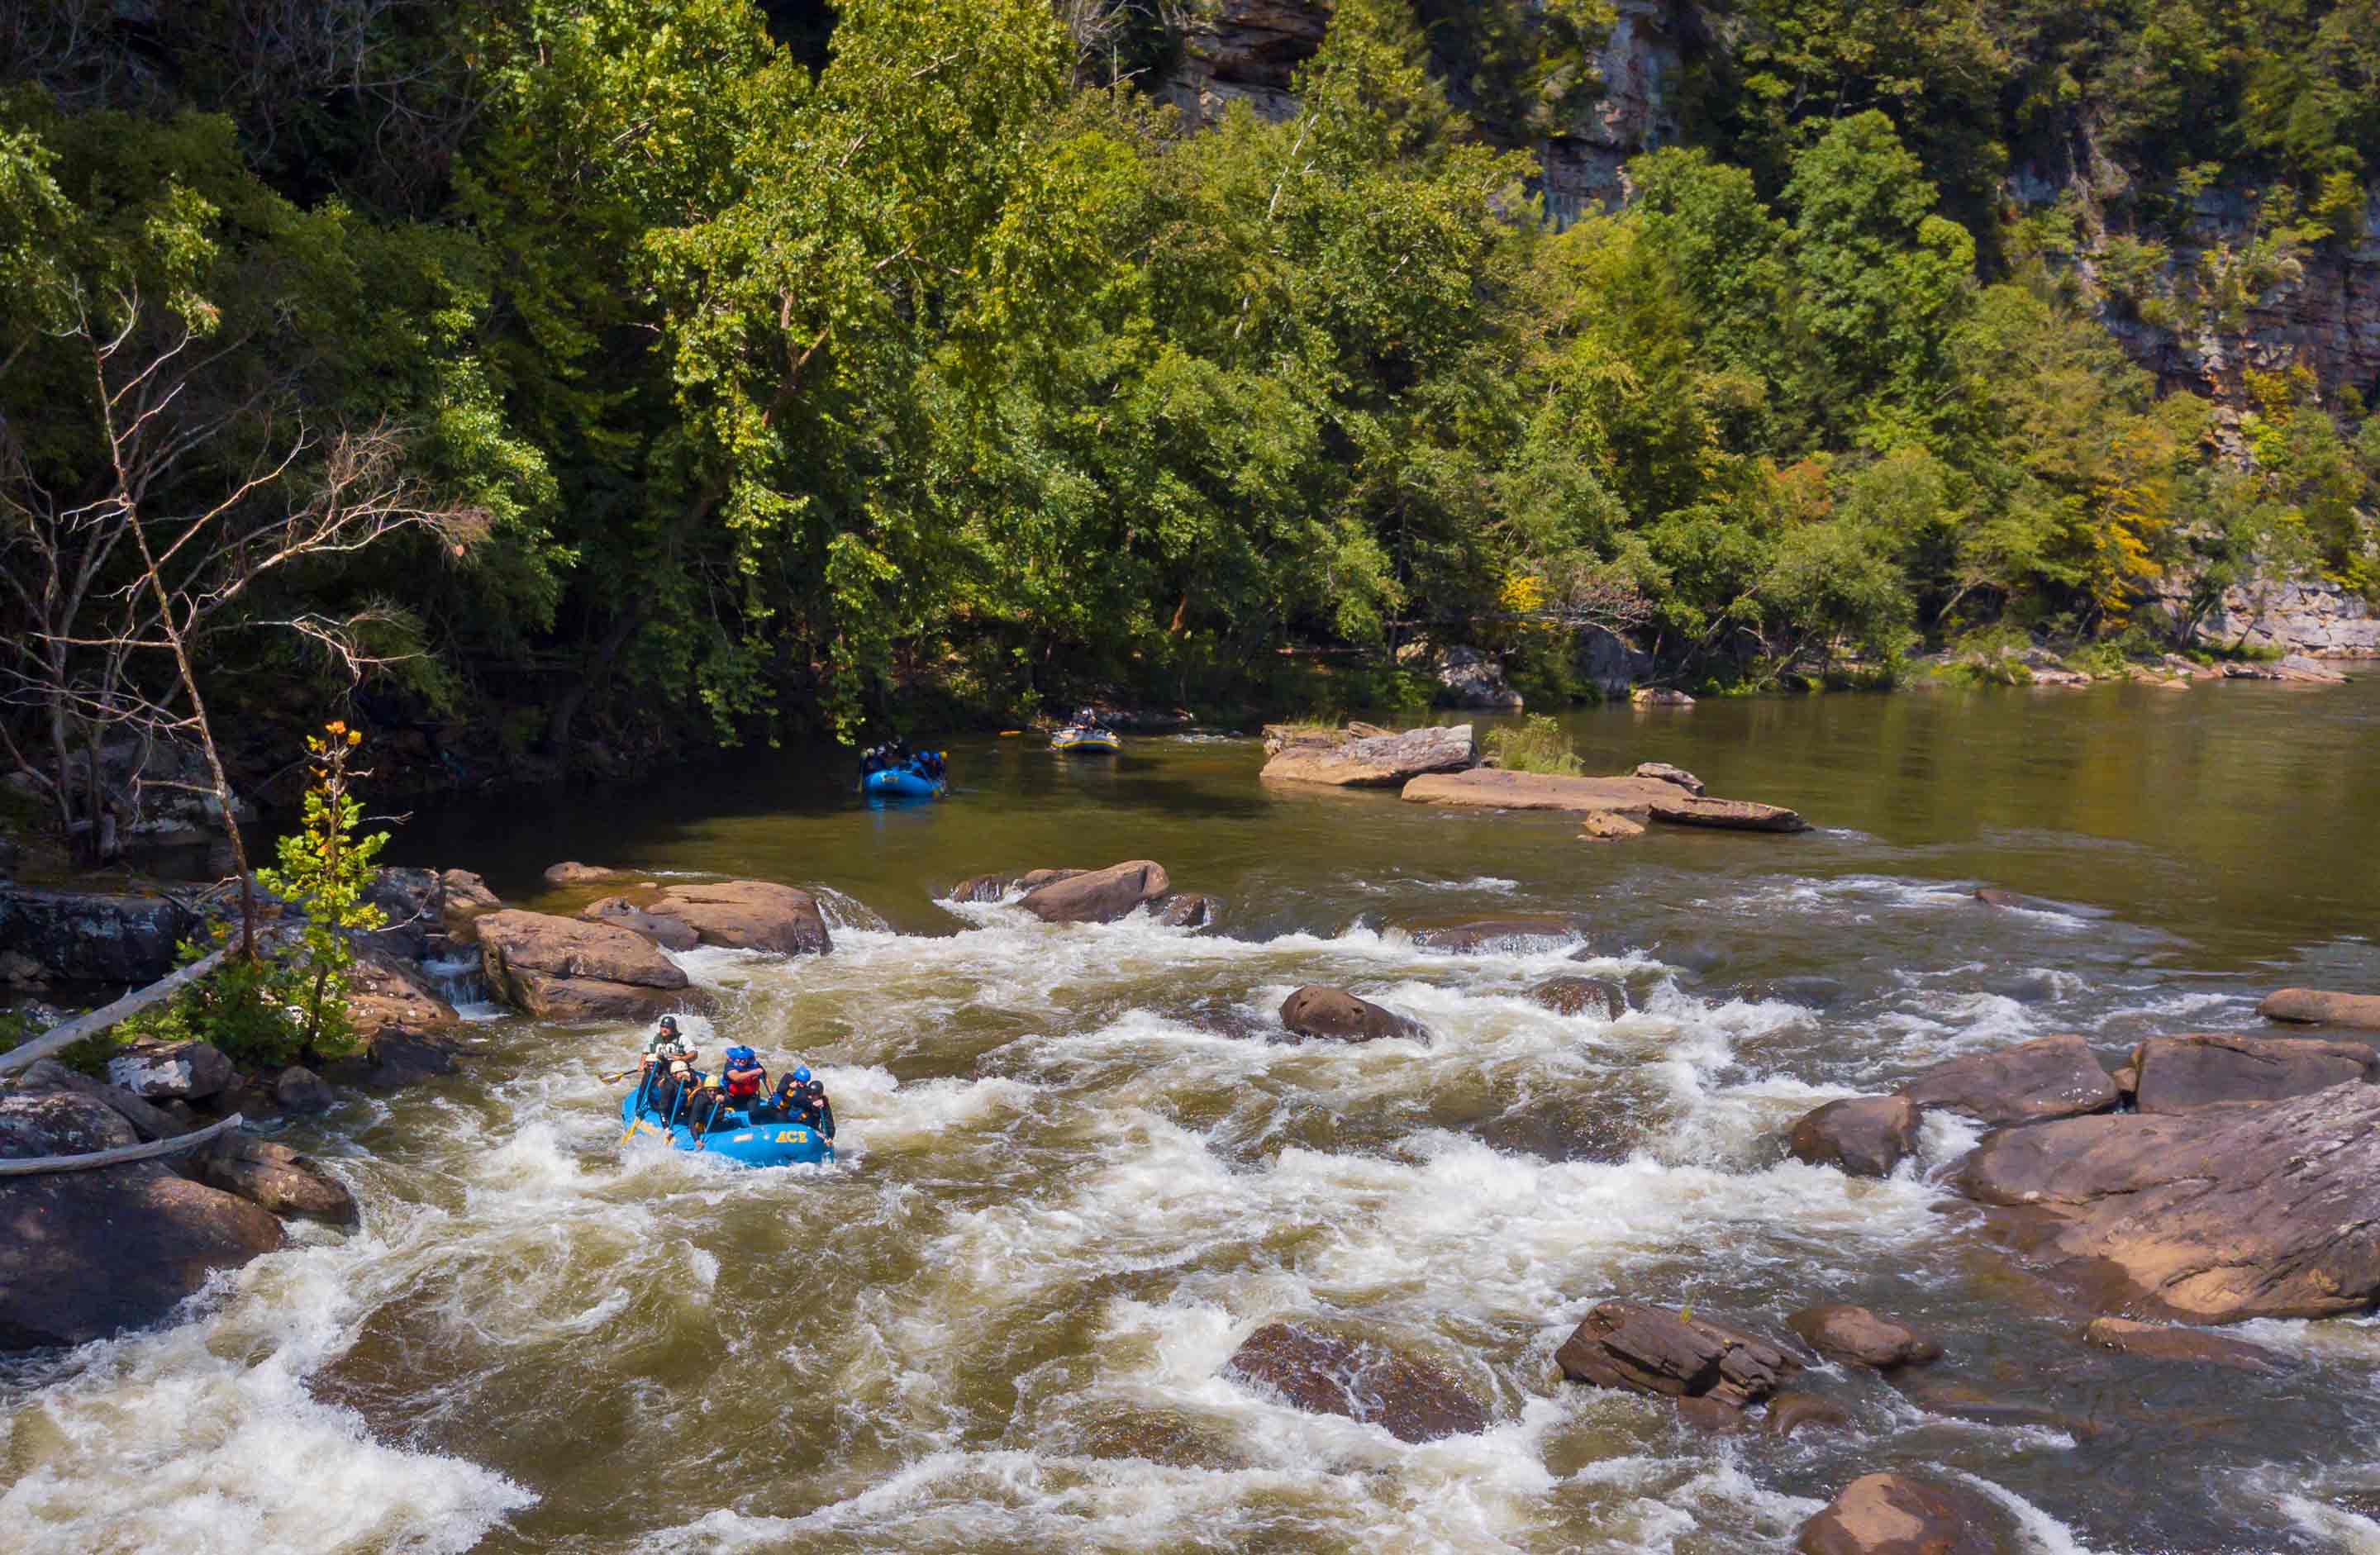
[(1537, 744)]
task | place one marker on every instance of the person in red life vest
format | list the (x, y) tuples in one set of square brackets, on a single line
[(742, 1078)]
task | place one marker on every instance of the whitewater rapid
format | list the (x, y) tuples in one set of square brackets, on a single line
[(1078, 1167)]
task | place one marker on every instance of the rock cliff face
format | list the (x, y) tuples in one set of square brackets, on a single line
[(1246, 51), (2317, 618)]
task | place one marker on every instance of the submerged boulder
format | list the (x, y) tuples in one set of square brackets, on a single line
[(1098, 896), (1644, 1349), (2177, 1074), (1359, 1379), (1476, 935), (2161, 1342), (1599, 997), (2309, 1006), (749, 915), (1333, 1013), (564, 969), (1187, 910), (1379, 760), (2047, 1077), (1844, 1332), (2211, 1216), (1901, 1514), (1860, 1136)]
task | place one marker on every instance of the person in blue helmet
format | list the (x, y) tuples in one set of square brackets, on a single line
[(742, 1078)]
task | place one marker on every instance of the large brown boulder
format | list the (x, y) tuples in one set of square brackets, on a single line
[(2177, 1074), (991, 888), (147, 1121), (1844, 1332), (1333, 1013), (1860, 1136), (1471, 936), (2047, 1077), (1358, 1380), (670, 933), (564, 969), (86, 1254), (2210, 1215), (2308, 1006), (273, 1177), (749, 915), (1899, 1515), (1646, 1349), (1381, 760), (1635, 798), (412, 906), (1098, 896)]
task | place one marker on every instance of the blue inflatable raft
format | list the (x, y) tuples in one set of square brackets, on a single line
[(903, 782), (735, 1137)]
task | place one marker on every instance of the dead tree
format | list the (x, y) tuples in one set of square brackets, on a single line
[(207, 483)]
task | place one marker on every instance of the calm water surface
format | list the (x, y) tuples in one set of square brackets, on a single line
[(1077, 1174)]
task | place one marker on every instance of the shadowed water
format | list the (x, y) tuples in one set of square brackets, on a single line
[(1077, 1172)]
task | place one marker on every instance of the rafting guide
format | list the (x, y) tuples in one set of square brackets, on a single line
[(725, 1114)]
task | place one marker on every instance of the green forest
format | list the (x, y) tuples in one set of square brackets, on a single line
[(549, 371)]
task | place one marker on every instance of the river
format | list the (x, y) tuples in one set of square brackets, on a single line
[(1075, 1177)]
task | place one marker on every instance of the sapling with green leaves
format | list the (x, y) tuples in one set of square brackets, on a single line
[(324, 869)]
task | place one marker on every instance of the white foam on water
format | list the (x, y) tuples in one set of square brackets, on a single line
[(2043, 1532), (203, 1438)]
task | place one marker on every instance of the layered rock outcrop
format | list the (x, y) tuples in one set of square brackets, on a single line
[(1634, 797), (1345, 759), (564, 969)]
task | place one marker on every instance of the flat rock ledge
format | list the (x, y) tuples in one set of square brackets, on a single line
[(1644, 1349), (1347, 759), (1325, 1374), (562, 969), (1902, 1514), (2309, 1006), (1628, 798), (2217, 1069), (2210, 1215)]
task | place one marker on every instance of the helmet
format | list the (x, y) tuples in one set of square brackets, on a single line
[(816, 1087), (742, 1056), (669, 1022), (801, 1075)]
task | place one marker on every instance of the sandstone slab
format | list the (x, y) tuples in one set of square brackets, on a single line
[(1360, 1379), (274, 1177), (1496, 788), (1373, 761), (2047, 1077), (2177, 1073), (564, 969), (670, 933), (385, 993), (2308, 1006), (2210, 1215), (749, 915)]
